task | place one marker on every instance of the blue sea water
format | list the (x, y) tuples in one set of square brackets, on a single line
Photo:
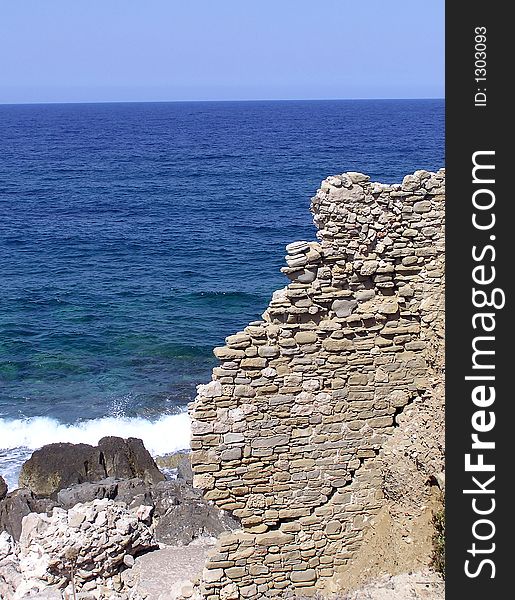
[(135, 237)]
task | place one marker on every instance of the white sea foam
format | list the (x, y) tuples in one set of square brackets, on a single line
[(166, 434), (19, 437)]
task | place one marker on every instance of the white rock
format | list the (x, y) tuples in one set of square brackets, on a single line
[(97, 552), (298, 247), (356, 177), (76, 516), (212, 389), (144, 512), (311, 385), (280, 295), (269, 372), (128, 560)]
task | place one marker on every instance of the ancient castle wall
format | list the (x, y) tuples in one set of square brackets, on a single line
[(290, 433)]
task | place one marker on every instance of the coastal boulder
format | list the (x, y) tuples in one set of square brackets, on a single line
[(178, 463), (87, 492), (125, 459), (184, 469), (134, 492), (58, 466), (18, 504), (181, 514)]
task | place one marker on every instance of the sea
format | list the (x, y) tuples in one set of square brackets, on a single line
[(134, 237)]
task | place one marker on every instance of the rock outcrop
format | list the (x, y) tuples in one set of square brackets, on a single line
[(128, 458), (58, 466), (90, 534), (329, 410), (321, 432), (180, 513)]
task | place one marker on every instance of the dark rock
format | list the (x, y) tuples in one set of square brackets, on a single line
[(134, 492), (125, 459), (181, 514), (18, 504), (12, 510), (87, 492), (58, 466), (3, 488), (178, 463), (170, 461), (184, 470), (120, 470)]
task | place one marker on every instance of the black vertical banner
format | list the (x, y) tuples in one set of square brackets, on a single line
[(480, 239)]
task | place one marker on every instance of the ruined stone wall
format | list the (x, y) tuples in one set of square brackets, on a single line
[(290, 434)]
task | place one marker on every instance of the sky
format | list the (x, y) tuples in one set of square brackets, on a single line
[(165, 50)]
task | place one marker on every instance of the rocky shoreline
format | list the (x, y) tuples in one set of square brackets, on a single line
[(321, 431), (120, 530), (84, 518)]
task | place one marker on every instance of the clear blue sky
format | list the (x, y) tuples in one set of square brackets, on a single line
[(131, 50)]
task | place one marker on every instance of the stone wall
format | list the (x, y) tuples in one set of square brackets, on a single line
[(291, 433)]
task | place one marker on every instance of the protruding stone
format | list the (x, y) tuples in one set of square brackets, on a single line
[(364, 295), (356, 177), (231, 454), (307, 276), (76, 516), (333, 527), (238, 339), (422, 207), (210, 390), (233, 438), (253, 363), (244, 391), (212, 575), (410, 233), (389, 307), (224, 353), (337, 345), (369, 267), (297, 247)]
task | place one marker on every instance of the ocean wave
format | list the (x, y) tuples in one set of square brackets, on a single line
[(167, 434)]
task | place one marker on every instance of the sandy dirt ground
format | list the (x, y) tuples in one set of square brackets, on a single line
[(423, 585)]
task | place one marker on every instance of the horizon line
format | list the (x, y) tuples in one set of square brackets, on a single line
[(35, 103)]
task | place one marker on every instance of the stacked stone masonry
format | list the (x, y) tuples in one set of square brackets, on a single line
[(288, 434)]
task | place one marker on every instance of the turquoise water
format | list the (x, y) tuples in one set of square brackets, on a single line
[(135, 237)]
